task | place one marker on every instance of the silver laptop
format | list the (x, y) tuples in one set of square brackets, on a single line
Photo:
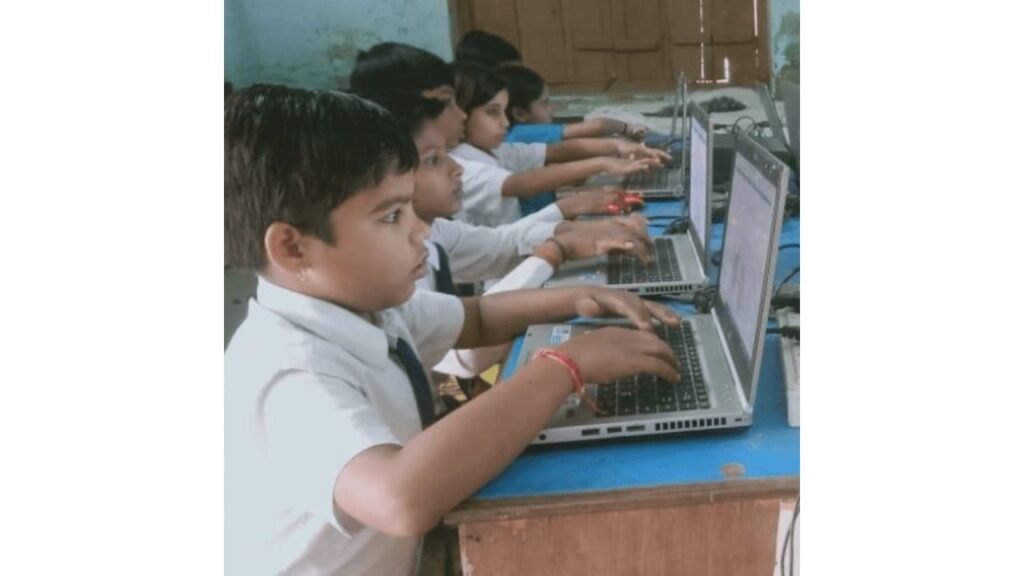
[(664, 182), (680, 262), (774, 122), (791, 102), (720, 352)]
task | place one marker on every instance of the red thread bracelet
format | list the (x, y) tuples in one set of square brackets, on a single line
[(574, 372)]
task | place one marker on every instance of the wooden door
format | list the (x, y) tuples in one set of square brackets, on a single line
[(629, 45)]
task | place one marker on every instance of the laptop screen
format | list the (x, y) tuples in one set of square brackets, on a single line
[(791, 101), (748, 255), (698, 199)]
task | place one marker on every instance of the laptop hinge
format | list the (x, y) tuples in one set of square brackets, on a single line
[(732, 366)]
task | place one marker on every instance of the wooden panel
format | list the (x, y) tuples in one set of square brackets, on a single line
[(637, 36), (588, 25), (742, 62), (731, 20), (497, 17), (687, 59), (734, 539), (684, 22), (544, 47), (473, 511)]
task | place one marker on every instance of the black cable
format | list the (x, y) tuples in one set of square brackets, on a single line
[(784, 280), (785, 246), (785, 331)]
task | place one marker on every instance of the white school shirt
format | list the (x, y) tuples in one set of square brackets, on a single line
[(478, 253), (483, 176), (308, 386)]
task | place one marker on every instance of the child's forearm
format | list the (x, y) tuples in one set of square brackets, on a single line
[(595, 127), (497, 318), (580, 148), (406, 490), (533, 182)]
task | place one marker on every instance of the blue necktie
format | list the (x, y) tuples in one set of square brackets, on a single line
[(418, 379), (443, 276)]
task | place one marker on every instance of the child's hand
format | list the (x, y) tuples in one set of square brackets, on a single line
[(623, 166), (636, 132), (639, 151), (598, 302), (590, 239), (609, 353), (607, 200)]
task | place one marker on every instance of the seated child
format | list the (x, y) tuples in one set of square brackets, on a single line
[(477, 253), (461, 252), (529, 113), (392, 68), (334, 463), (534, 168)]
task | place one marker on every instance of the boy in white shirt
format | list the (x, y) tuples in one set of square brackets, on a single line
[(461, 252), (477, 253), (333, 461)]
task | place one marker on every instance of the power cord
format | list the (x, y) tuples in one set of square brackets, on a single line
[(790, 542)]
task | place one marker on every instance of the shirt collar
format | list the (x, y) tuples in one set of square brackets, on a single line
[(470, 152), (369, 342)]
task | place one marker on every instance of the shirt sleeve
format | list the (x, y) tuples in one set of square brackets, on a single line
[(546, 133), (314, 424), (482, 202), (518, 158), (531, 273), (435, 322), (479, 253)]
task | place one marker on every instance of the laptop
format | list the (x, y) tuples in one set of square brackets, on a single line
[(665, 182), (774, 122), (680, 262), (720, 352), (791, 102)]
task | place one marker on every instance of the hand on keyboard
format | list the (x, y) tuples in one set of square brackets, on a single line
[(633, 150), (606, 354), (602, 302), (607, 200), (580, 240)]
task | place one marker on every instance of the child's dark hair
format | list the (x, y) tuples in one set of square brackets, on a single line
[(524, 87), (293, 155), (397, 67), (485, 48), (475, 85), (410, 111)]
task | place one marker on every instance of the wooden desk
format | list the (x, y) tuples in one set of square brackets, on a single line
[(704, 503)]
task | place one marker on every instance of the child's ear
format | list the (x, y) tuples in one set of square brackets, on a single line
[(518, 114), (286, 248)]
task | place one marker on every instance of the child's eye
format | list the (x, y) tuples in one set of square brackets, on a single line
[(431, 160), (392, 217)]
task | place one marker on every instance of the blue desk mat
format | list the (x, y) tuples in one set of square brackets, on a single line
[(769, 448)]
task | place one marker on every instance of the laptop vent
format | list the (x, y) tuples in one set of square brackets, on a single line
[(695, 424), (667, 289)]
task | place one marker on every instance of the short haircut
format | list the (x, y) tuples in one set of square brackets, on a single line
[(475, 85), (293, 155), (486, 48), (524, 87), (397, 67), (410, 111)]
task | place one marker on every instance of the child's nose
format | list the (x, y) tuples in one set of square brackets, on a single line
[(420, 230)]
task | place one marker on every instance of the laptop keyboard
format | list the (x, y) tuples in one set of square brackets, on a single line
[(626, 268), (648, 394), (647, 180)]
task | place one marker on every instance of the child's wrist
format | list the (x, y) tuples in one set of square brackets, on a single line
[(575, 374), (550, 251)]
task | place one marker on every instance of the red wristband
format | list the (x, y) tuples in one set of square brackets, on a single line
[(574, 372)]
